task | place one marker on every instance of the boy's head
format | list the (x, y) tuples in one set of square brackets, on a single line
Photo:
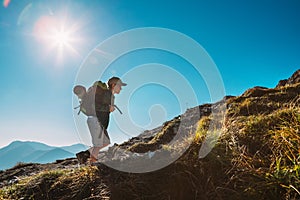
[(115, 84)]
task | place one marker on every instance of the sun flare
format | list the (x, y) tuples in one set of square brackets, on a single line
[(57, 36)]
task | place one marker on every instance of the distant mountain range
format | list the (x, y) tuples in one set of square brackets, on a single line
[(35, 152)]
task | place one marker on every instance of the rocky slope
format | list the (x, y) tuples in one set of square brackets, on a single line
[(256, 140)]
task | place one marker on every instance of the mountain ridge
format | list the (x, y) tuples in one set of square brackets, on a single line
[(29, 151)]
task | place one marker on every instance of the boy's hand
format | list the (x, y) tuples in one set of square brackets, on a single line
[(111, 108)]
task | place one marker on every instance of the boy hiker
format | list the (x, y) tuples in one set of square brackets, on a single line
[(97, 103)]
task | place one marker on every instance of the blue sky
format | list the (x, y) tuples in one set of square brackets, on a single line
[(251, 42)]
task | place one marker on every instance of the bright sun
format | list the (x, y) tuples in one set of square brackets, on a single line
[(57, 35), (62, 38)]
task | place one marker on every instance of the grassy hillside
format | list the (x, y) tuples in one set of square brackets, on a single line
[(256, 157)]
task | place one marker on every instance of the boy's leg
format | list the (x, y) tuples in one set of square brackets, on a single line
[(95, 151)]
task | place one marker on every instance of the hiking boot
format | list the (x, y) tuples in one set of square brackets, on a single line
[(92, 160), (83, 156)]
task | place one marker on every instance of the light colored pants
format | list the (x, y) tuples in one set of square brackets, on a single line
[(99, 139)]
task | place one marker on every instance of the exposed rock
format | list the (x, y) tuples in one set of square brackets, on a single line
[(294, 79), (257, 91)]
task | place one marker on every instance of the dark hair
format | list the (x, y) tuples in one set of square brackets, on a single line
[(115, 80)]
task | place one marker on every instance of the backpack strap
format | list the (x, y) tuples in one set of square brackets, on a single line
[(79, 111), (118, 109)]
